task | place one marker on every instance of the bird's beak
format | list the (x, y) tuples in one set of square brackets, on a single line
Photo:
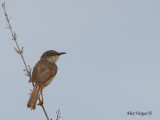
[(61, 53)]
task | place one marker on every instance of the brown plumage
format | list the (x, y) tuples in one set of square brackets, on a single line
[(34, 96), (43, 73)]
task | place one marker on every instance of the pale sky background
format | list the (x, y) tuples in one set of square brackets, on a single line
[(112, 64)]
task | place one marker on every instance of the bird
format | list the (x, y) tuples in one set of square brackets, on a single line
[(42, 75)]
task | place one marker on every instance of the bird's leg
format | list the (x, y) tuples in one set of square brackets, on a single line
[(42, 96), (41, 101)]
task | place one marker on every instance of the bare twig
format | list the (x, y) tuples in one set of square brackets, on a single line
[(58, 114), (14, 37), (20, 52)]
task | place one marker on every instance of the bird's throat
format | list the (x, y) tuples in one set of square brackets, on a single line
[(53, 58)]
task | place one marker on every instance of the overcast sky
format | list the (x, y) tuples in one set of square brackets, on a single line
[(112, 64)]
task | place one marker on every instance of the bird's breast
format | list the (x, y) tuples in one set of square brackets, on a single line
[(48, 82)]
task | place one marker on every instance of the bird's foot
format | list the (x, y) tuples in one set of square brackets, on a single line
[(40, 103)]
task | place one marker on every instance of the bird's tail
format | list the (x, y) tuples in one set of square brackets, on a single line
[(33, 97)]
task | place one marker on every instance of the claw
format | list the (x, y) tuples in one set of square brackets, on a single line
[(41, 101)]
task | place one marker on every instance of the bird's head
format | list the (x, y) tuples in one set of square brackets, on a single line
[(52, 55)]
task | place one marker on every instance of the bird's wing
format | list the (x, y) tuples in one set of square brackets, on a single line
[(35, 72), (43, 71), (46, 72)]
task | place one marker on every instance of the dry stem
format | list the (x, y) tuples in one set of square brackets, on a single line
[(20, 52), (58, 114)]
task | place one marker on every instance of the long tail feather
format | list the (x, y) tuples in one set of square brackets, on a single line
[(33, 97)]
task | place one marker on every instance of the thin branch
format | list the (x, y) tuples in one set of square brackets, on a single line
[(20, 52), (58, 114), (14, 37)]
